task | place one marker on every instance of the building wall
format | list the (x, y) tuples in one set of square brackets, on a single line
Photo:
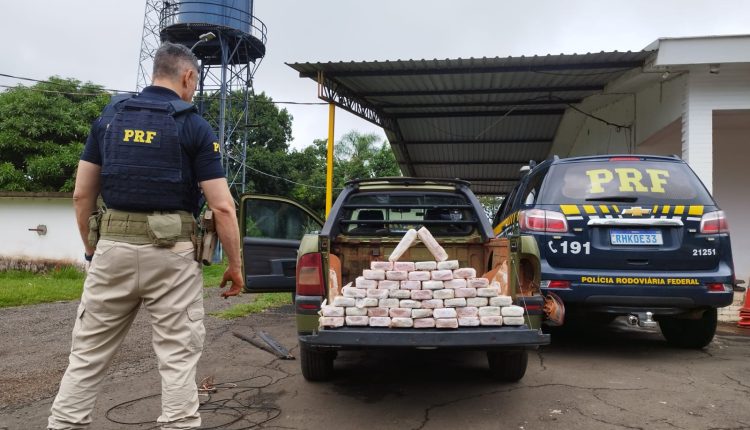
[(731, 156), (62, 241)]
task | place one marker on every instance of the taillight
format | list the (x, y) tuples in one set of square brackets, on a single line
[(717, 287), (310, 275), (543, 221), (714, 222), (624, 159), (555, 284)]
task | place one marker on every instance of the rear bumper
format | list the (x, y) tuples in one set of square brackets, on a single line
[(660, 292), (464, 338)]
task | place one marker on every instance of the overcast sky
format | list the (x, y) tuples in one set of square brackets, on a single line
[(99, 40)]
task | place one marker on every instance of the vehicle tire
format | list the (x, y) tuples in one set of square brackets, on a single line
[(316, 365), (508, 366), (687, 333)]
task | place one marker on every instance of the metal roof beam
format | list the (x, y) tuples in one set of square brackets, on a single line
[(482, 91), (543, 102), (469, 141), (461, 114), (617, 66)]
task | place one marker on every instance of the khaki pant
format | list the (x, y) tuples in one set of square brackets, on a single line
[(169, 284)]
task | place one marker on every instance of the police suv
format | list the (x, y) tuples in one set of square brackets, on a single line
[(626, 235)]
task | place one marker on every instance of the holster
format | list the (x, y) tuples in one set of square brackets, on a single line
[(95, 222), (206, 239)]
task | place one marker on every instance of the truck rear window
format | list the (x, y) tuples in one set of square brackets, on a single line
[(389, 214), (642, 182)]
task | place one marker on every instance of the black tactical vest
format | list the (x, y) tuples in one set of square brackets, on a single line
[(144, 166)]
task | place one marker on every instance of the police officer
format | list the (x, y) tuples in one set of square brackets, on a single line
[(149, 156)]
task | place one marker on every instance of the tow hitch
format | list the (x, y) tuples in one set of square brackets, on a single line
[(642, 319)]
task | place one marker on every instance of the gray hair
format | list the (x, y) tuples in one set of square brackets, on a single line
[(171, 59)]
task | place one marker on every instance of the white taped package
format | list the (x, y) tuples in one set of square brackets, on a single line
[(363, 283), (377, 312), (444, 313), (424, 323), (499, 301), (343, 301), (489, 311), (491, 320), (380, 321), (388, 303), (447, 265), (512, 311), (488, 292), (381, 265), (441, 275), (443, 294), (514, 321), (455, 303), (356, 312), (411, 285), (446, 322), (432, 285), (425, 265), (432, 304), (332, 311), (377, 293), (465, 273), (435, 249), (419, 276), (396, 275), (455, 283), (399, 313), (421, 313), (403, 245), (375, 275), (468, 311), (468, 321), (409, 304), (466, 292), (477, 301), (356, 293), (389, 285), (367, 302), (402, 322), (478, 282), (400, 294), (357, 320), (332, 321), (421, 294), (406, 266)]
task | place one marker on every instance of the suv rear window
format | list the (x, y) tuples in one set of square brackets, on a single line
[(394, 213), (642, 182)]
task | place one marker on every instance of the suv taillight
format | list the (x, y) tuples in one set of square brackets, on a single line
[(714, 222), (543, 221), (310, 275)]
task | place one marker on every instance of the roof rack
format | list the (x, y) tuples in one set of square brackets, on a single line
[(406, 180)]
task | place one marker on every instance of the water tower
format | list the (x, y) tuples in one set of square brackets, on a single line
[(229, 58)]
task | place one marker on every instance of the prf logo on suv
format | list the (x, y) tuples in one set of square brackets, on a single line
[(626, 235)]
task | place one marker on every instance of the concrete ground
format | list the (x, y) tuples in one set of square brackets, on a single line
[(617, 377)]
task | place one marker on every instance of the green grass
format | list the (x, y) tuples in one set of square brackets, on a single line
[(18, 288), (262, 302), (212, 274)]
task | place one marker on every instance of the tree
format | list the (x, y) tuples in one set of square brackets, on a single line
[(42, 132), (360, 156)]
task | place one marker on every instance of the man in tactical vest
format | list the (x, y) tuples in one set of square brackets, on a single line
[(149, 156)]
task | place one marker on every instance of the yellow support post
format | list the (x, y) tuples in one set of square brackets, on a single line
[(329, 161)]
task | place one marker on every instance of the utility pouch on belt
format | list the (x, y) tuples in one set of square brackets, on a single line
[(95, 221), (164, 230), (207, 239)]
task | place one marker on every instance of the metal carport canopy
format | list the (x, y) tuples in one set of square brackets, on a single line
[(477, 119)]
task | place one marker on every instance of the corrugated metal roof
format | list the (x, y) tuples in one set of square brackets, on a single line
[(477, 119)]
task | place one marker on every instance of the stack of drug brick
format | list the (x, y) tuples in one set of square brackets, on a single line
[(424, 294)]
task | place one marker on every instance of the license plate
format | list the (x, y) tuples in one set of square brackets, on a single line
[(635, 237)]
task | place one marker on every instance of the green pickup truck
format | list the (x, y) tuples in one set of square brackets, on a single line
[(288, 248)]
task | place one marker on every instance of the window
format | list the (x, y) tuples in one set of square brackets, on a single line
[(277, 220)]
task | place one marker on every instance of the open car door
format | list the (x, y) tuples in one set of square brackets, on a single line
[(272, 228)]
